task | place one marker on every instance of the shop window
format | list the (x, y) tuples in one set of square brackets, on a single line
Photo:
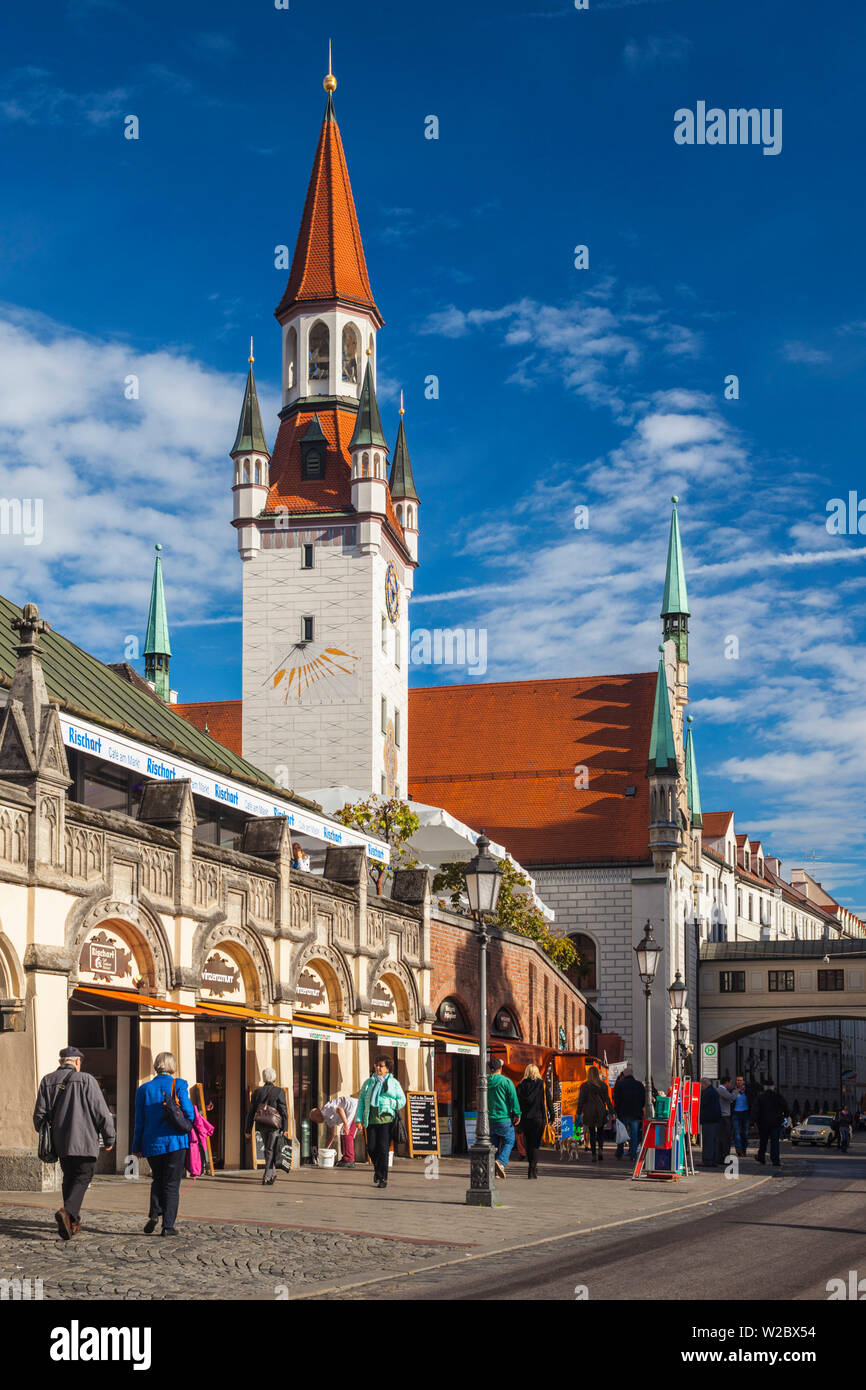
[(105, 789)]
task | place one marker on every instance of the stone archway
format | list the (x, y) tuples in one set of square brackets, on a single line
[(118, 942), (232, 963), (394, 975), (329, 965)]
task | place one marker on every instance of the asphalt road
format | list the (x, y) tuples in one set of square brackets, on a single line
[(784, 1242)]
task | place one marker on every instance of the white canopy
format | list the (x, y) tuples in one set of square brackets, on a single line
[(440, 838)]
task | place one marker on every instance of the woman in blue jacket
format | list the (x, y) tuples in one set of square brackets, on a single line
[(157, 1139)]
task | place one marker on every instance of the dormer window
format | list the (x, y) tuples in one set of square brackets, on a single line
[(312, 464)]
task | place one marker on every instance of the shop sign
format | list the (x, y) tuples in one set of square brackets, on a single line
[(220, 976), (464, 1049), (397, 1042), (105, 958), (311, 993), (383, 1004), (327, 1035), (503, 1024)]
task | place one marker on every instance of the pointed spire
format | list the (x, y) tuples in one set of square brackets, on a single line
[(675, 602), (401, 482), (675, 599), (157, 650), (662, 749), (329, 258), (368, 426), (250, 437), (692, 787)]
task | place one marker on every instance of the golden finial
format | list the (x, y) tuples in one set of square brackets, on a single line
[(369, 352), (330, 82), (251, 359), (402, 411)]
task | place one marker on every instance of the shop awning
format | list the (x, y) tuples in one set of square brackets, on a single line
[(209, 1009)]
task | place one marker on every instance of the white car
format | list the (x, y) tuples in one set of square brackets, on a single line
[(817, 1129)]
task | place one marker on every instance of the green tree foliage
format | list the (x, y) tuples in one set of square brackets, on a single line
[(515, 911), (392, 821)]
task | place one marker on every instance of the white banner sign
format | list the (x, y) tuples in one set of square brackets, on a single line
[(124, 752), (465, 1049), (318, 1034), (397, 1042)]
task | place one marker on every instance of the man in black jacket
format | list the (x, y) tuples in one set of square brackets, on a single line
[(71, 1099), (629, 1099), (768, 1112), (711, 1123)]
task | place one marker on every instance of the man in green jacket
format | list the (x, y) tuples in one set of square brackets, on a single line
[(503, 1109)]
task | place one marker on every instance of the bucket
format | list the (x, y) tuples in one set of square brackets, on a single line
[(326, 1158)]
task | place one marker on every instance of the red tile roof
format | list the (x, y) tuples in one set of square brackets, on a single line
[(329, 257), (715, 824), (222, 717), (504, 757), (333, 493)]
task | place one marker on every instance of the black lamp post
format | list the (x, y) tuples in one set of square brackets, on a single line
[(483, 881), (648, 952), (677, 993)]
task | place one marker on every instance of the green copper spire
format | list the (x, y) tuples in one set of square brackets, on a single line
[(157, 650), (675, 603), (250, 437), (692, 786), (662, 749), (368, 426), (401, 482)]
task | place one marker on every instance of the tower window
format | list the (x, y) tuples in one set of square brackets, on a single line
[(365, 465), (397, 727), (306, 557), (246, 470), (258, 471), (319, 351), (397, 647), (400, 514), (351, 354), (384, 715), (384, 634), (307, 629)]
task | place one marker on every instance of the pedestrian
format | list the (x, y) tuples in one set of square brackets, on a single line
[(339, 1115), (380, 1097), (161, 1141), (711, 1121), (533, 1115), (843, 1118), (629, 1099), (593, 1108), (727, 1096), (503, 1112), (740, 1117), (768, 1112), (270, 1115), (71, 1099)]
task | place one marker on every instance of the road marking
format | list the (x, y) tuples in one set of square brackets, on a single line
[(524, 1245)]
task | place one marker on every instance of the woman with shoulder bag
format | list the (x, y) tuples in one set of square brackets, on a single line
[(269, 1113), (593, 1108), (164, 1116)]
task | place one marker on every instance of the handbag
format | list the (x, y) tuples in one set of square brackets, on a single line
[(47, 1151), (267, 1116), (172, 1112)]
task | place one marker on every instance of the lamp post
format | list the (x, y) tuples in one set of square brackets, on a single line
[(648, 952), (677, 994), (483, 881)]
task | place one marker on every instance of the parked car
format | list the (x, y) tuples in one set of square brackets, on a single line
[(816, 1129)]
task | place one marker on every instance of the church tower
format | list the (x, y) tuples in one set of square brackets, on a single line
[(675, 620), (157, 650), (328, 568)]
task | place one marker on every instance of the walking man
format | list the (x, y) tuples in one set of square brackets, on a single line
[(768, 1112), (503, 1109), (629, 1098), (727, 1095), (711, 1120), (71, 1099), (740, 1117)]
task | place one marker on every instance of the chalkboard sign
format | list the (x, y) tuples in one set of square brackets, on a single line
[(423, 1123)]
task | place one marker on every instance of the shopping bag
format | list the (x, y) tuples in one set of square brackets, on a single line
[(283, 1155), (621, 1133)]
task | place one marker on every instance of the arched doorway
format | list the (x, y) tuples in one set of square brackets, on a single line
[(228, 976)]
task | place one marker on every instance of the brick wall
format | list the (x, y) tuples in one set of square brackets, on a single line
[(520, 978)]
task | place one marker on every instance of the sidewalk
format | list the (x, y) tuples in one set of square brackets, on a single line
[(328, 1232)]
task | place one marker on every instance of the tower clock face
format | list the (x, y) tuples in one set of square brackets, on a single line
[(392, 593)]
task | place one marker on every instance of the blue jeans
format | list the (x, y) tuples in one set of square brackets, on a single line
[(741, 1130), (502, 1134), (633, 1127)]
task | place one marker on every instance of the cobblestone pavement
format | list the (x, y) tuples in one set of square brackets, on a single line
[(113, 1259)]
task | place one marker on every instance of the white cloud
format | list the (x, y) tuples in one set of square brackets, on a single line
[(795, 351)]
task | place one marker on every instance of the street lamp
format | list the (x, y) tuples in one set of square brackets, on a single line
[(483, 881), (677, 995), (648, 952)]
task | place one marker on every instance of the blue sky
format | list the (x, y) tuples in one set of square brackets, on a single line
[(558, 386)]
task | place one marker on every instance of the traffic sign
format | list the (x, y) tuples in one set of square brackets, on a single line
[(710, 1060)]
